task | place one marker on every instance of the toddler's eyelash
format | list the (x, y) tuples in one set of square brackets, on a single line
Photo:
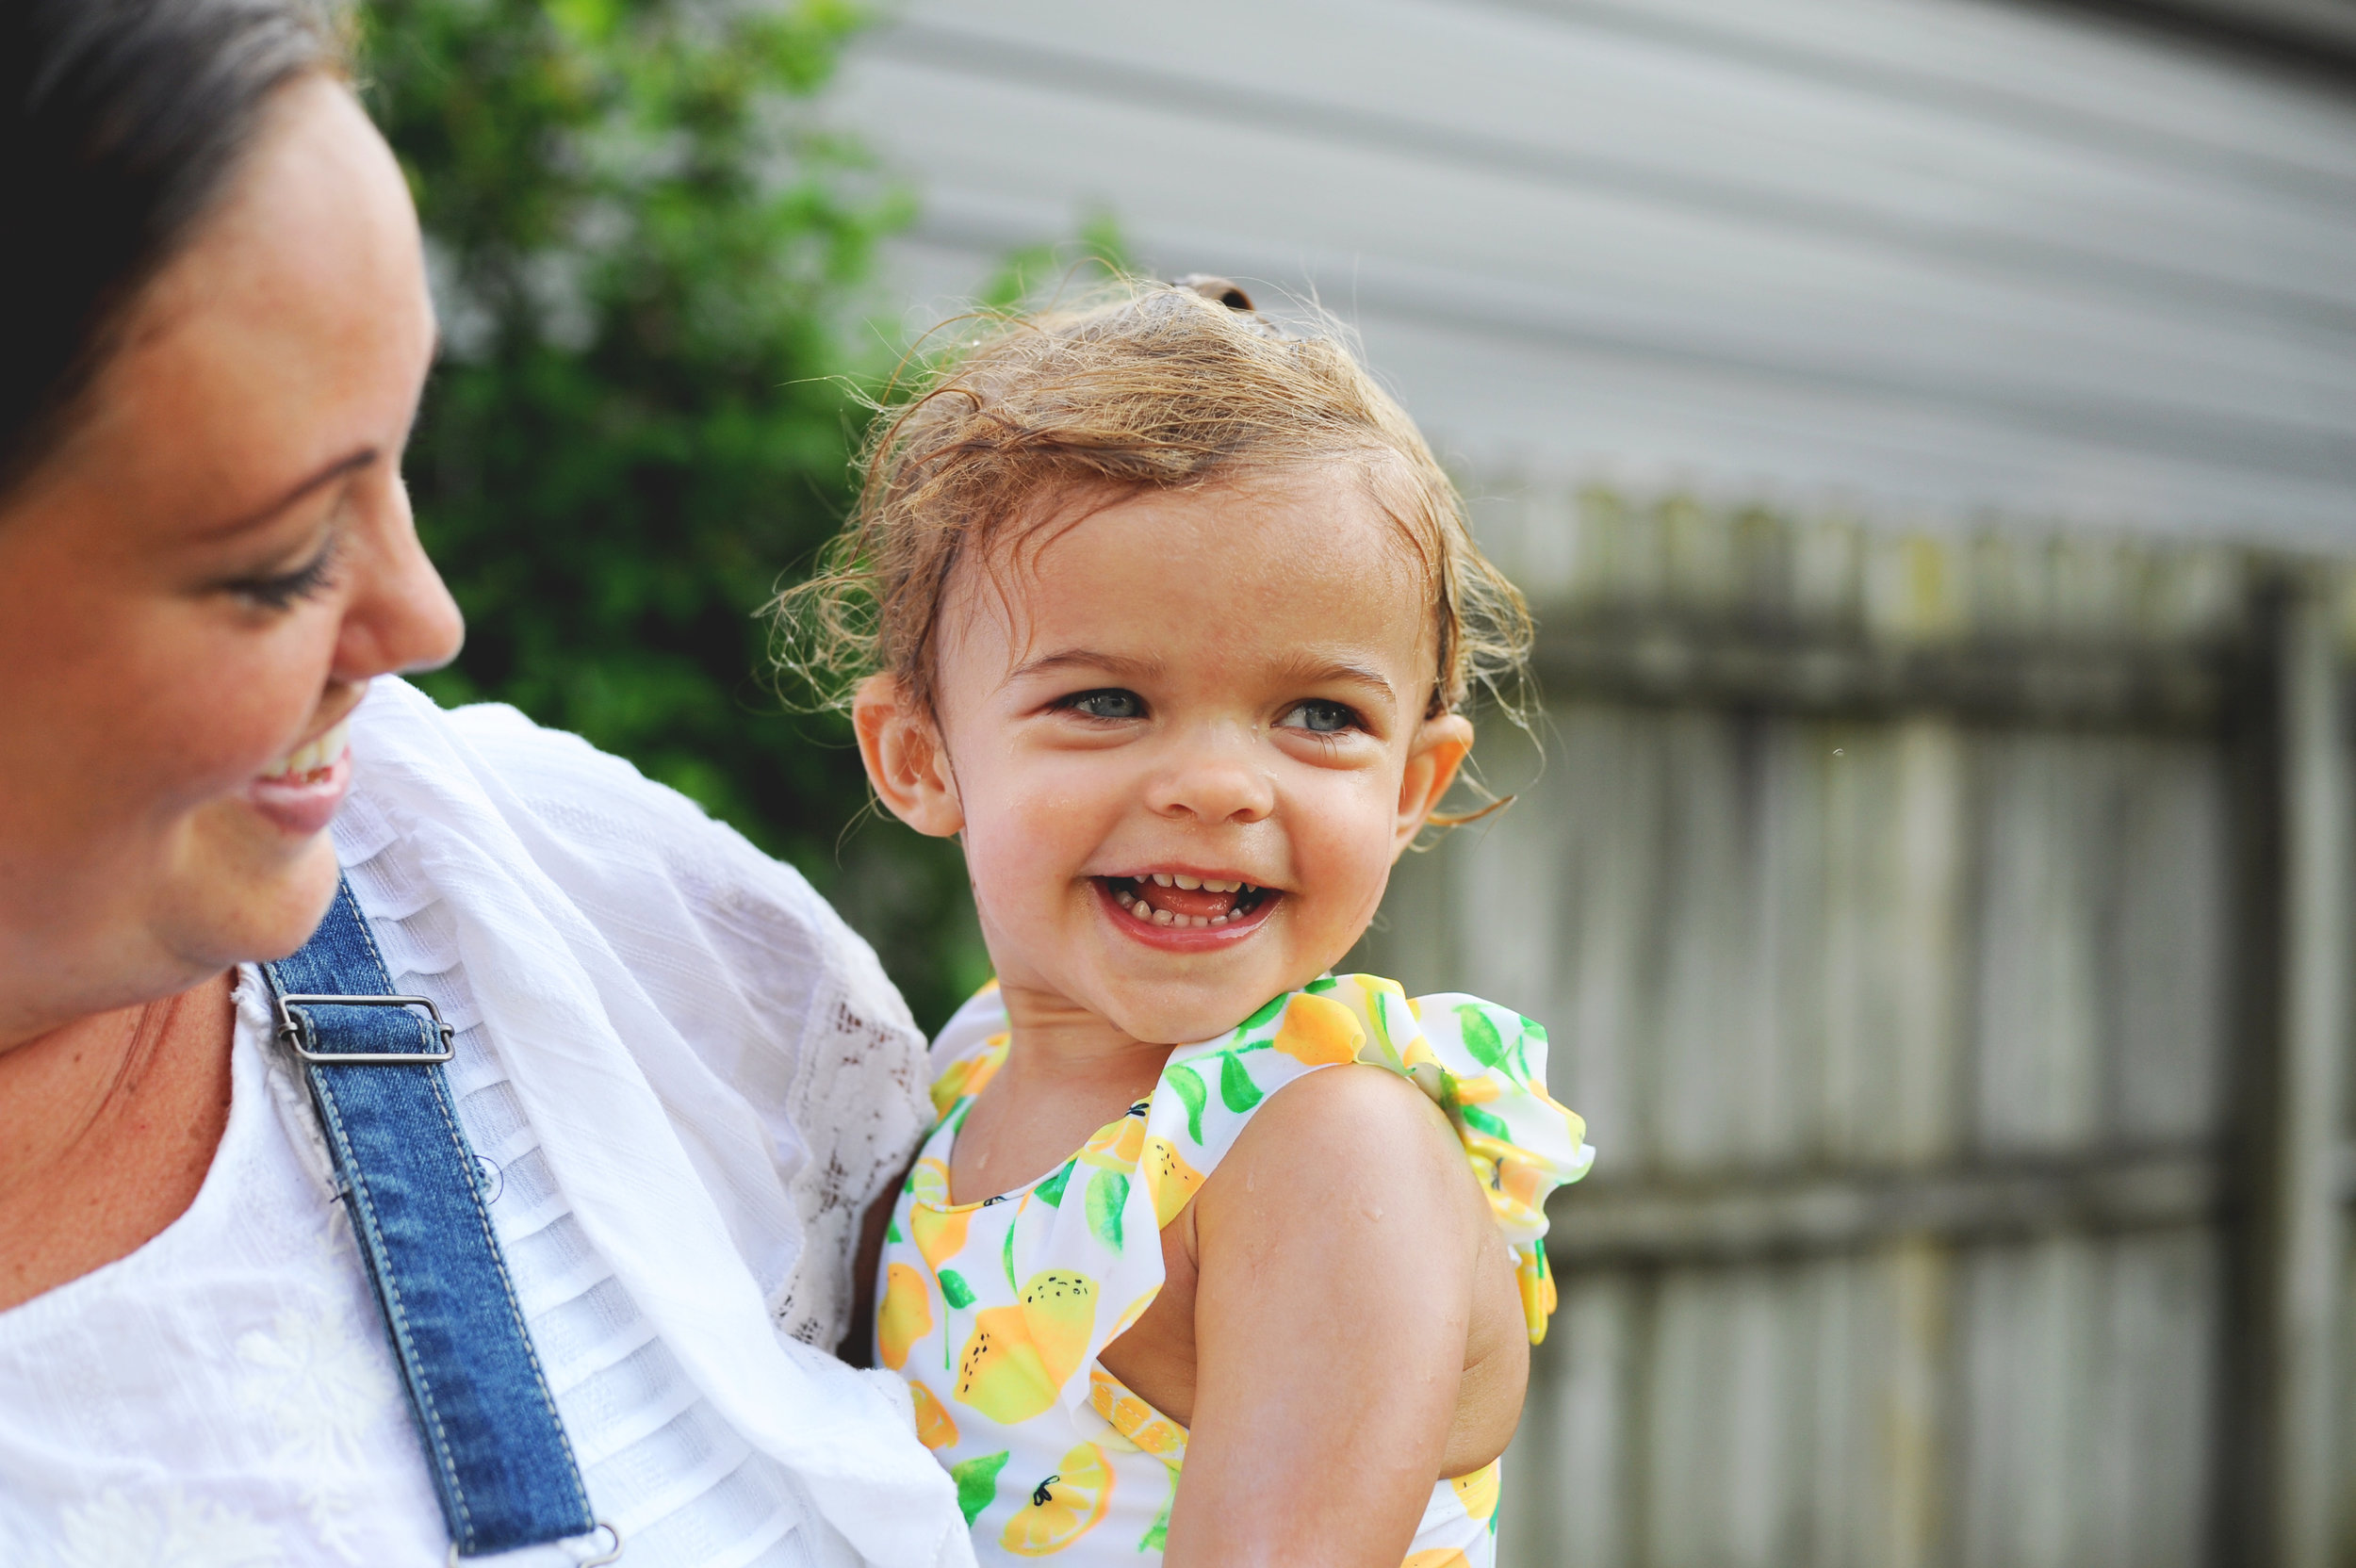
[(282, 592)]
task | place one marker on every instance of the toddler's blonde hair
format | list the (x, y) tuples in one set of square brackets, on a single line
[(1142, 386)]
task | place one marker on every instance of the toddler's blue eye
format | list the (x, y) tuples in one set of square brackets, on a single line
[(1106, 705), (1320, 717)]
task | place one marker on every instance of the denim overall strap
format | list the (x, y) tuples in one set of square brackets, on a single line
[(492, 1440)]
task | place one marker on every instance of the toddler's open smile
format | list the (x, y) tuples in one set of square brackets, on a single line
[(1181, 911)]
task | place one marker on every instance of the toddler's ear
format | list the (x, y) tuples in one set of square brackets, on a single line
[(1439, 749), (905, 761)]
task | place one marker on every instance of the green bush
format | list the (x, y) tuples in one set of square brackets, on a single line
[(650, 261)]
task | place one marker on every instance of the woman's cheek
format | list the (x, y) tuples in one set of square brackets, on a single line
[(230, 704)]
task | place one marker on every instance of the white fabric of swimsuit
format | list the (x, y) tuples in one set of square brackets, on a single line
[(686, 1078)]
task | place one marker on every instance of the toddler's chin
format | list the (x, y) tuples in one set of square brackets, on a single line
[(1195, 1016)]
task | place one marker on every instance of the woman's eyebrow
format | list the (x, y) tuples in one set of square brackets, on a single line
[(347, 463)]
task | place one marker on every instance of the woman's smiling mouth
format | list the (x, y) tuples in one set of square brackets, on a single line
[(302, 789), (1181, 901)]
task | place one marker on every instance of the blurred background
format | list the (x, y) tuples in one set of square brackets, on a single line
[(1926, 431)]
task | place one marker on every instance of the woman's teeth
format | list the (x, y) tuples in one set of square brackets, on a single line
[(311, 757)]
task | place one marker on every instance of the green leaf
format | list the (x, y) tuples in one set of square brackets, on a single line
[(892, 1232), (1051, 1190), (1006, 1256), (1190, 1086), (978, 1482), (1236, 1090), (1480, 1034), (955, 1290), (1268, 1012), (1482, 1121), (1107, 1191), (1322, 984)]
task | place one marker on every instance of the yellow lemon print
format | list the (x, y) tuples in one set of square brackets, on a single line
[(1319, 1030), (1000, 1373), (1478, 1492), (1135, 1420), (1116, 1146), (940, 1234), (1064, 1507), (905, 1317), (962, 1079), (1059, 1310), (1017, 1357), (1439, 1557), (929, 1183), (935, 1428), (1169, 1178)]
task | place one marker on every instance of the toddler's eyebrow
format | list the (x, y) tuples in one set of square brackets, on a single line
[(1340, 672), (1115, 664)]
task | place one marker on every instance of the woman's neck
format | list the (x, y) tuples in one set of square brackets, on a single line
[(108, 1127)]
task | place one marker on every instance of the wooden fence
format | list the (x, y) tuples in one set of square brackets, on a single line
[(1944, 938)]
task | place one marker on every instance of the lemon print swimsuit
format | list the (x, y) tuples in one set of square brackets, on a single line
[(995, 1312)]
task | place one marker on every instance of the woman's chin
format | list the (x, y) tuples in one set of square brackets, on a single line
[(247, 890)]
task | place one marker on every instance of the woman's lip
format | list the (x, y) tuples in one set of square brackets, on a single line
[(1189, 939), (307, 803)]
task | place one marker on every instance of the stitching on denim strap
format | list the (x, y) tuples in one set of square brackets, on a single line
[(391, 1287)]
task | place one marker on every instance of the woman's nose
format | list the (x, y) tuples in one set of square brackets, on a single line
[(1214, 779), (401, 616)]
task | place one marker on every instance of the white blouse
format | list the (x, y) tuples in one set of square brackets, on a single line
[(685, 1079)]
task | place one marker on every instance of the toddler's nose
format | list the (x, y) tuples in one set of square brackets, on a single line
[(1213, 781)]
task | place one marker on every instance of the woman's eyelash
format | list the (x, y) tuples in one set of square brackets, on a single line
[(282, 592)]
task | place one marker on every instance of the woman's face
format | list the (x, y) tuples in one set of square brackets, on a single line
[(201, 582)]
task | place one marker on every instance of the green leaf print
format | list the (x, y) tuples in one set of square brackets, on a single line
[(1532, 1032), (1007, 1254), (953, 1289), (893, 1231), (1265, 1015), (1051, 1190), (1236, 1090), (1190, 1086), (1480, 1036), (1157, 1534), (1482, 1121), (1107, 1191), (978, 1482), (1322, 984)]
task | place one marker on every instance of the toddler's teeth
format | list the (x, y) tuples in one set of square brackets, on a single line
[(1221, 886), (1161, 880), (1190, 883), (1219, 920), (1163, 917)]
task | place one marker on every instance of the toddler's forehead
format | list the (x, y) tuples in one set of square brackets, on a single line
[(1310, 552)]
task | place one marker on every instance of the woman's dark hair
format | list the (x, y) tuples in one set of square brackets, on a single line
[(121, 121)]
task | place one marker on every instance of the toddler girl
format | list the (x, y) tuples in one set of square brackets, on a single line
[(1168, 614)]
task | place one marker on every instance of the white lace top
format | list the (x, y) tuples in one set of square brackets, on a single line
[(686, 1078)]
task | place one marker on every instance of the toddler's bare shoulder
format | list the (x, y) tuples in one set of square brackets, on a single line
[(1347, 1131)]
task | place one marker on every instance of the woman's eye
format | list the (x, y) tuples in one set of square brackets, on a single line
[(1106, 705), (1320, 717), (281, 592)]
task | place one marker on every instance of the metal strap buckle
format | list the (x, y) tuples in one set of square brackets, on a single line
[(290, 1031)]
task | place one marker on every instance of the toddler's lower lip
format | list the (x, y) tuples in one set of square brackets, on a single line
[(1184, 939)]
